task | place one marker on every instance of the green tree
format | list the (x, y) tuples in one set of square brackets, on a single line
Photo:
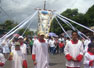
[(69, 13), (26, 33), (90, 16), (86, 19), (9, 25)]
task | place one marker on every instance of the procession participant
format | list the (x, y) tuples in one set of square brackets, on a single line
[(23, 49), (87, 42), (40, 52), (2, 58), (5, 46), (74, 52), (89, 57), (16, 56), (13, 43)]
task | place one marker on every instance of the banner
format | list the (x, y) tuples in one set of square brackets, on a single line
[(45, 18)]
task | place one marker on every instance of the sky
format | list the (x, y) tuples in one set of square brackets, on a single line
[(18, 10)]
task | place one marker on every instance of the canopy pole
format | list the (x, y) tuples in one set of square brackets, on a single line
[(44, 4)]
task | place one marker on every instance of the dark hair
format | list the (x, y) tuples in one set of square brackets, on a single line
[(90, 45), (74, 32), (62, 41), (68, 38)]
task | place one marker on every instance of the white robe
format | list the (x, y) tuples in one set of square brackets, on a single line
[(6, 48), (24, 51), (86, 42), (41, 52), (2, 59), (74, 50), (12, 46), (17, 59), (87, 58)]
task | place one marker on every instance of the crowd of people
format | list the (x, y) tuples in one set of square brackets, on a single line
[(75, 50)]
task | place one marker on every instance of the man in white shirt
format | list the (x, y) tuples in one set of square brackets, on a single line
[(52, 45)]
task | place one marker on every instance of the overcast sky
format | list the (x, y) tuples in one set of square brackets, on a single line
[(18, 10)]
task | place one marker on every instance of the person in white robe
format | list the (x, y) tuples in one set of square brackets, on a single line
[(89, 57), (24, 50), (74, 52), (40, 52), (5, 46), (2, 59), (17, 57), (86, 42), (13, 43)]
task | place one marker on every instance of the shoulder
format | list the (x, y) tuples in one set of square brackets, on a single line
[(36, 42), (69, 42), (79, 41)]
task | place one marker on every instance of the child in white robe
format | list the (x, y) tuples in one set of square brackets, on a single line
[(17, 57), (89, 57)]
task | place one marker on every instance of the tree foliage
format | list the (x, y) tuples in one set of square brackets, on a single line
[(86, 19), (25, 32), (8, 25)]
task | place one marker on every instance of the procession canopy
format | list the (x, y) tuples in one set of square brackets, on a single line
[(45, 18)]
